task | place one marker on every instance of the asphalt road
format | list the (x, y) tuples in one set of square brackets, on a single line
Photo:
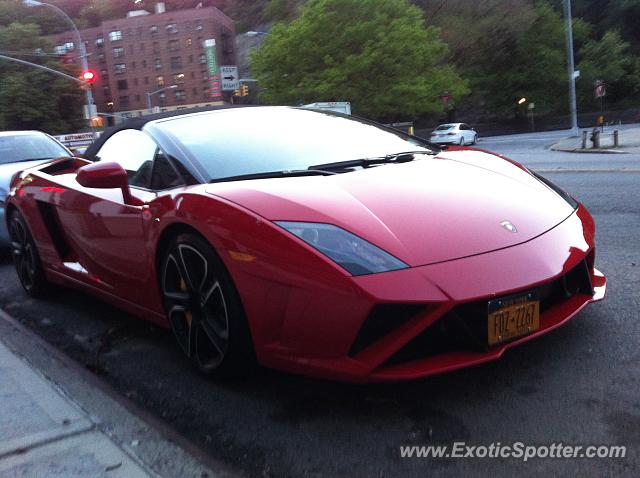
[(532, 149), (578, 385)]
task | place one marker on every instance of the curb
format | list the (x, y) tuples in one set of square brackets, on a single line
[(160, 448), (589, 151)]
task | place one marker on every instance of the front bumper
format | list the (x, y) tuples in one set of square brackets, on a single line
[(448, 141), (445, 139), (421, 298)]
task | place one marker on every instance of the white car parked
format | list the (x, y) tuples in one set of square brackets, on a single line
[(454, 133)]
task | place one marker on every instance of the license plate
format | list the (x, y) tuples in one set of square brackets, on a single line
[(512, 317)]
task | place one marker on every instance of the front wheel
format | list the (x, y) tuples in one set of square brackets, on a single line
[(204, 309), (26, 257)]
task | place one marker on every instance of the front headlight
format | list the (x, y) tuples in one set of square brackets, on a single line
[(349, 251)]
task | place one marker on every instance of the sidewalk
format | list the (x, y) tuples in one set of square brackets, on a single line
[(56, 423), (629, 141)]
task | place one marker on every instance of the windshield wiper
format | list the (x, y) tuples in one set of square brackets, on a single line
[(274, 174), (403, 157)]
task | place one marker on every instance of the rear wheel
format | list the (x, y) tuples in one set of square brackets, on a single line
[(25, 256), (204, 309)]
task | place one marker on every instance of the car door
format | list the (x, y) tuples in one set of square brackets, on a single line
[(108, 234), (464, 131)]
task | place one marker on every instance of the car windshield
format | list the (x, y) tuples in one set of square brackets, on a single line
[(254, 140), (445, 127), (25, 147)]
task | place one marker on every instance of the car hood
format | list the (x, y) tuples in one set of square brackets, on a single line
[(429, 210)]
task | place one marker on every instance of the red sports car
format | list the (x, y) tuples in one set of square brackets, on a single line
[(308, 241)]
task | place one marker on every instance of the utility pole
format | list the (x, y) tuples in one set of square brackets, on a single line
[(571, 68)]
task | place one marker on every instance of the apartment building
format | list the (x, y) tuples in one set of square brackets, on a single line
[(146, 52)]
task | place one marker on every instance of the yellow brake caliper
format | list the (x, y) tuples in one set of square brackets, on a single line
[(187, 314)]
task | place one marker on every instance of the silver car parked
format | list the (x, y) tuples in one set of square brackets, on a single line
[(454, 133), (20, 150)]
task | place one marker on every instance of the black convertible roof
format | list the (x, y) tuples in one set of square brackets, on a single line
[(140, 121)]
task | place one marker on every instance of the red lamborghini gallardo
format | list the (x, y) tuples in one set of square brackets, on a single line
[(308, 241)]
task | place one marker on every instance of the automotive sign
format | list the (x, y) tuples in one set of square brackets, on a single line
[(76, 140)]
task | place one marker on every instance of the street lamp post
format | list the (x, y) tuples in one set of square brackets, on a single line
[(83, 52), (571, 68), (151, 93)]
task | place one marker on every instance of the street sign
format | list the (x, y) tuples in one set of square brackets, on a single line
[(76, 140), (230, 77), (445, 98), (601, 89)]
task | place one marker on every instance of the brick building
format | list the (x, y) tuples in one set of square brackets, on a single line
[(146, 52)]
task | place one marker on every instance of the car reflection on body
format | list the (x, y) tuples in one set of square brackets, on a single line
[(308, 241)]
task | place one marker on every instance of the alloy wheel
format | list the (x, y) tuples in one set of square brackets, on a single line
[(196, 306), (23, 254)]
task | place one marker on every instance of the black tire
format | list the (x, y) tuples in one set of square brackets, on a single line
[(475, 139), (26, 257), (204, 309)]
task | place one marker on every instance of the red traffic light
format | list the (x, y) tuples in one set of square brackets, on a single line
[(89, 76)]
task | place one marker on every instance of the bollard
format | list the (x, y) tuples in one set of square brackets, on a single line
[(595, 138), (616, 142), (584, 139)]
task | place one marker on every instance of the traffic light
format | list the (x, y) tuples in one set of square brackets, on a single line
[(244, 90), (97, 121), (89, 76)]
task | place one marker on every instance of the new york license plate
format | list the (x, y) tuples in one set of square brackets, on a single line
[(512, 317)]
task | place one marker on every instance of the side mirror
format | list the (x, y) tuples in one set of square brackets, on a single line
[(107, 175)]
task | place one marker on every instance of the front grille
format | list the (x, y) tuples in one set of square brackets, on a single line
[(382, 320), (464, 328)]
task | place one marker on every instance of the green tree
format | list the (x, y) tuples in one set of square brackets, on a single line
[(606, 15), (378, 54), (539, 67), (507, 50), (277, 10), (484, 38), (608, 60), (32, 98)]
